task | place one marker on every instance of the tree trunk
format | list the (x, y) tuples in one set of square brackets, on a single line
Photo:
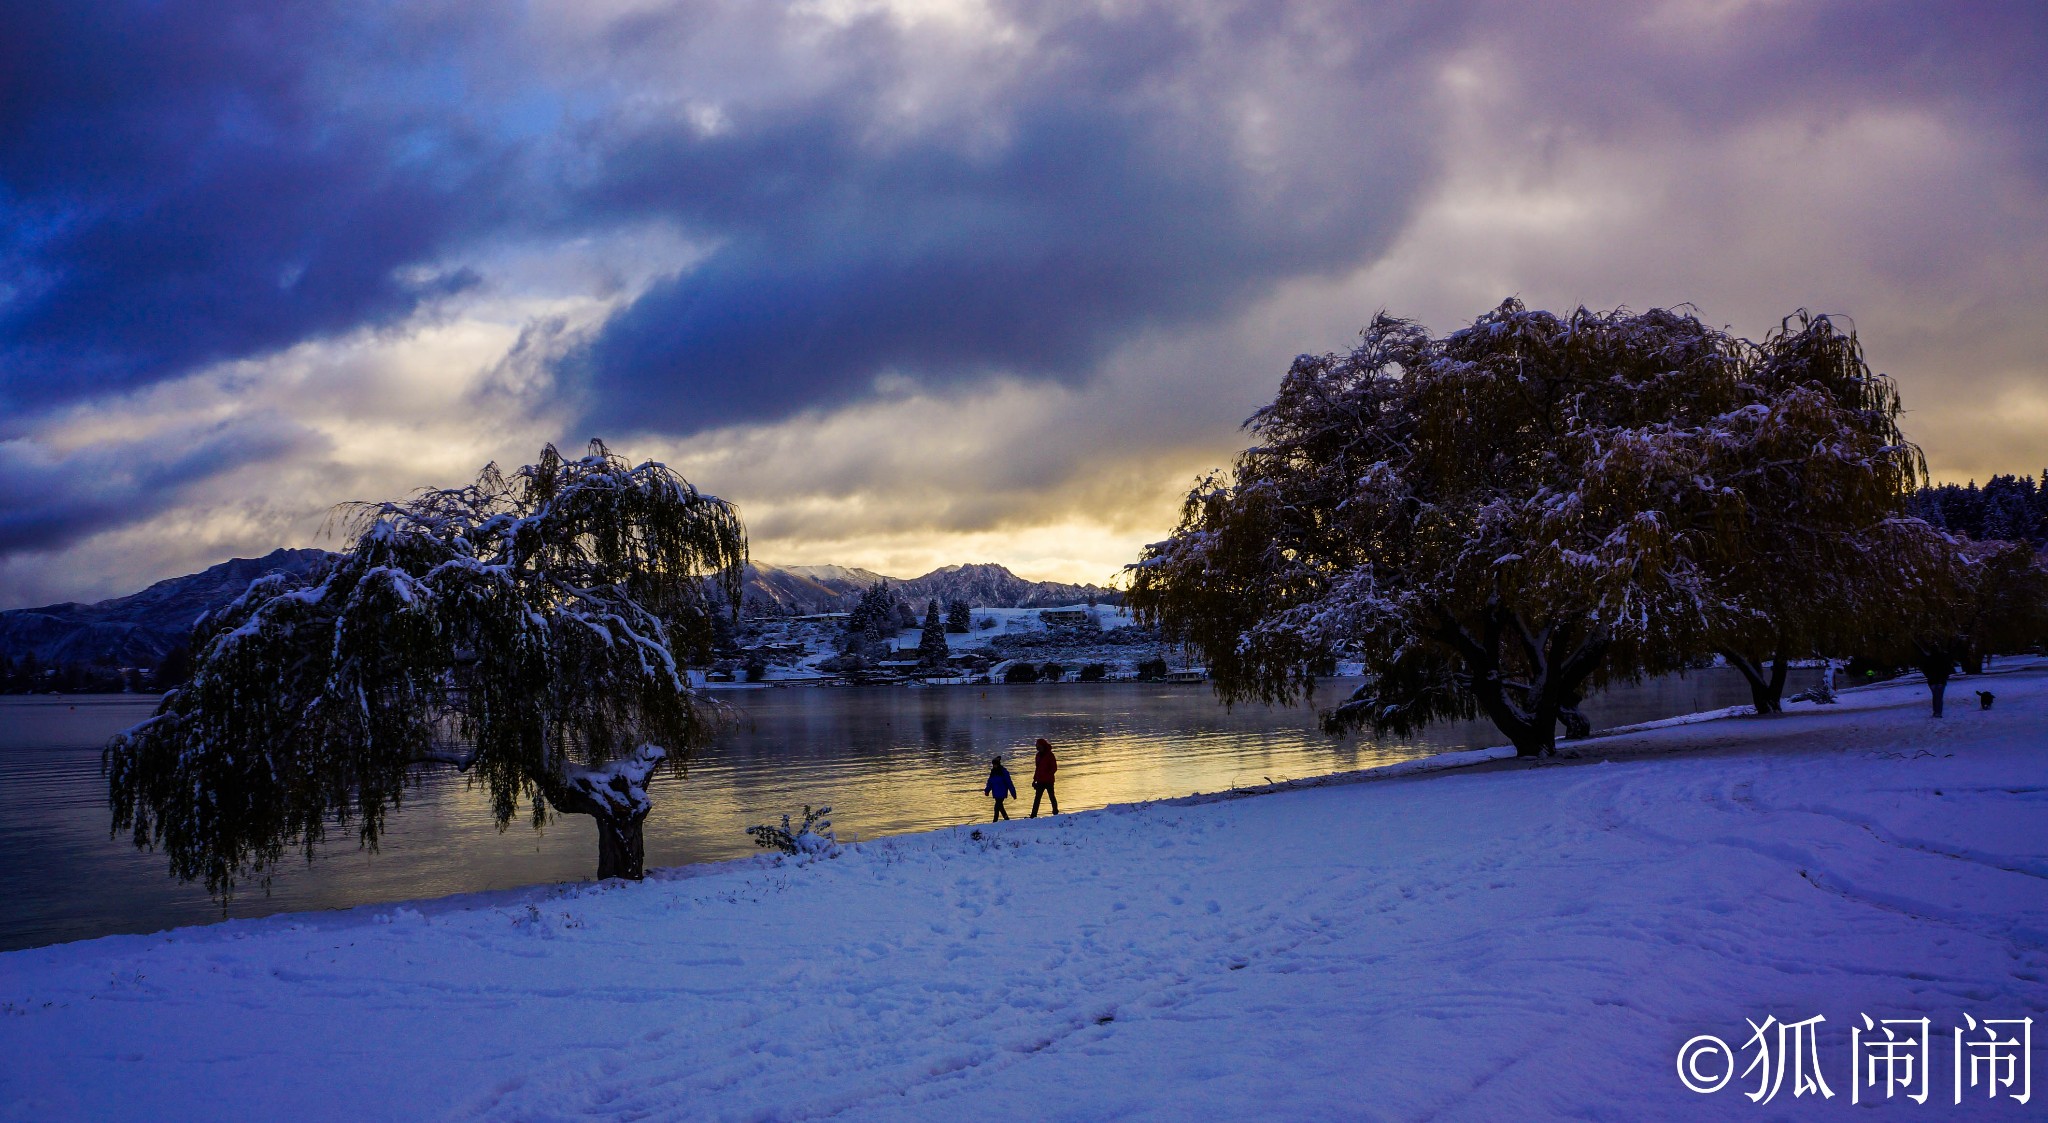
[(1529, 741), (1973, 660), (621, 846), (615, 796), (1528, 733), (621, 838), (1577, 726), (1560, 662), (1766, 692), (1532, 729)]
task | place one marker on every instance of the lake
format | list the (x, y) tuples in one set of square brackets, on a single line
[(887, 759)]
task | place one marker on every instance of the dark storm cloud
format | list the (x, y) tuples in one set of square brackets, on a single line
[(48, 500), (1111, 207), (191, 182), (1126, 191), (930, 267), (184, 183)]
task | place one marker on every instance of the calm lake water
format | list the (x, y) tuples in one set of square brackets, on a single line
[(887, 759)]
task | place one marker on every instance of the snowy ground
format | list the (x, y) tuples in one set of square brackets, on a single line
[(1499, 942)]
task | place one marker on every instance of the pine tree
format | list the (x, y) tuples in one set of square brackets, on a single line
[(932, 651), (532, 632), (959, 617), (874, 619)]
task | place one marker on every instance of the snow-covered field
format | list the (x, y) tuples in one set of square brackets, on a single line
[(1498, 942)]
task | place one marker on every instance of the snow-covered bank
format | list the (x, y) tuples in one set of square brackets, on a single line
[(1522, 942)]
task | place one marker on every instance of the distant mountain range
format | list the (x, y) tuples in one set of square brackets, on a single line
[(139, 629), (805, 589)]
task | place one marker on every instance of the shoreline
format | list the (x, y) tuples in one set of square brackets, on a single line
[(1603, 745), (1212, 956)]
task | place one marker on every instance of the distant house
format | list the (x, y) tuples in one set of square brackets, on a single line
[(1195, 675), (1065, 617)]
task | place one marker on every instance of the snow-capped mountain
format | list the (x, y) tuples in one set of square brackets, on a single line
[(797, 590), (992, 586), (802, 589)]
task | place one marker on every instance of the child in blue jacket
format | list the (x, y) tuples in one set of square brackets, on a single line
[(1000, 786)]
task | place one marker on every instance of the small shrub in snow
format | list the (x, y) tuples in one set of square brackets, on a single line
[(812, 836), (1822, 693)]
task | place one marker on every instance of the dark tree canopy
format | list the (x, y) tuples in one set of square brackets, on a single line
[(876, 616), (532, 631), (1501, 519), (1956, 603), (1823, 473)]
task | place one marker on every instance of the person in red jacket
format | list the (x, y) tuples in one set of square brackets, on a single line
[(1041, 778)]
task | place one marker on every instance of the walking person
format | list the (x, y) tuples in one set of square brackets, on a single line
[(1042, 770), (999, 786)]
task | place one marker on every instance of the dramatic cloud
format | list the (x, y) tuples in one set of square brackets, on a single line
[(50, 499), (187, 183), (1109, 174), (920, 281)]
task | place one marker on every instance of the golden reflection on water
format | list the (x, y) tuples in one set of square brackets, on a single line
[(887, 759)]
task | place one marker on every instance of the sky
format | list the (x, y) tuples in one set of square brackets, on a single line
[(919, 282)]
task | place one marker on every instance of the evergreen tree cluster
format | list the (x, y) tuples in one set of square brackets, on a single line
[(959, 617), (30, 675), (21, 677), (879, 614), (932, 651), (2006, 509)]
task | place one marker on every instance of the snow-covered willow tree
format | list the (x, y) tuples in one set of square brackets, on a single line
[(1813, 451), (531, 630), (1959, 601), (1503, 518)]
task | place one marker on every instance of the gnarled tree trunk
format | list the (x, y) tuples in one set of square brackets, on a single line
[(616, 796), (1528, 713)]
